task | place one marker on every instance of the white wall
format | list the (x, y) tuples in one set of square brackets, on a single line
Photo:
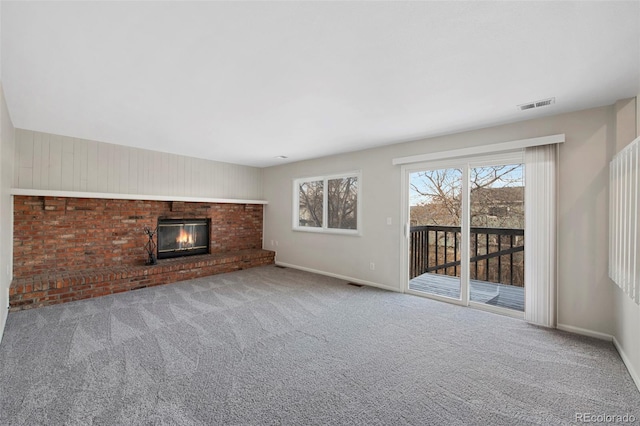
[(638, 114), (6, 208), (627, 313), (585, 294), (53, 162)]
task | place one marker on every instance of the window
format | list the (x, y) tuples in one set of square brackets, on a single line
[(327, 204)]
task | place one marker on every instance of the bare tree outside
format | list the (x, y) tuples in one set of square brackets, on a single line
[(436, 197), (497, 196), (311, 196), (342, 203)]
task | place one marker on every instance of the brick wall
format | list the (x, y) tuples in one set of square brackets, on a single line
[(70, 234)]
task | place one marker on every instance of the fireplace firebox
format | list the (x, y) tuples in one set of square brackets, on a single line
[(182, 237)]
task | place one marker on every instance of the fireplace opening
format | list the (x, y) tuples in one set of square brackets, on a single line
[(182, 237)]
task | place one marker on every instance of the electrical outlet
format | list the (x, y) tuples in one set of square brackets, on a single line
[(372, 266), (388, 221)]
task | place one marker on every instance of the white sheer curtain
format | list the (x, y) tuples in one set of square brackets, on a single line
[(540, 235)]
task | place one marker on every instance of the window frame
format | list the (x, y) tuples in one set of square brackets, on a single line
[(324, 229)]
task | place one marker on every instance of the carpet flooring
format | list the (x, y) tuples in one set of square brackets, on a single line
[(281, 346)]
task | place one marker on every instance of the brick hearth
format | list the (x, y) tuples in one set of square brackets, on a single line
[(50, 289), (76, 248)]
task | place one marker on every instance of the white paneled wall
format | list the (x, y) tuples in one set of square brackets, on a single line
[(52, 162), (624, 215)]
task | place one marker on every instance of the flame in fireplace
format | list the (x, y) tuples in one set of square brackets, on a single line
[(184, 239)]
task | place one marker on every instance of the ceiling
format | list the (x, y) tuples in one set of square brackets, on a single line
[(244, 82)]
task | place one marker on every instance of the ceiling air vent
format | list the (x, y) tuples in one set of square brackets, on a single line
[(537, 104), (545, 102)]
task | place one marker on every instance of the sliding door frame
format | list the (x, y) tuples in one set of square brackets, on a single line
[(464, 226), (465, 164)]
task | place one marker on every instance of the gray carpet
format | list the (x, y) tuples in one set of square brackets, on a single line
[(280, 346)]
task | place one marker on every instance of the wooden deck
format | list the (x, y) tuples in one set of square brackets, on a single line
[(505, 296)]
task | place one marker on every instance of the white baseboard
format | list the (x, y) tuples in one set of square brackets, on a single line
[(4, 312), (585, 332), (341, 277), (609, 338), (627, 362)]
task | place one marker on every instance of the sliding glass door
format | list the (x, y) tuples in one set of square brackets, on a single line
[(466, 232), (436, 220), (496, 236)]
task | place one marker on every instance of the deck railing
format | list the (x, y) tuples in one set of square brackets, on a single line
[(497, 254)]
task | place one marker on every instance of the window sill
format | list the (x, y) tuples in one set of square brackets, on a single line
[(347, 232)]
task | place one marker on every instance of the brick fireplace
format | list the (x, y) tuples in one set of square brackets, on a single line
[(65, 247)]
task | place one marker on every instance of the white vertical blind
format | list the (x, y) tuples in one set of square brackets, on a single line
[(540, 235), (624, 253)]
